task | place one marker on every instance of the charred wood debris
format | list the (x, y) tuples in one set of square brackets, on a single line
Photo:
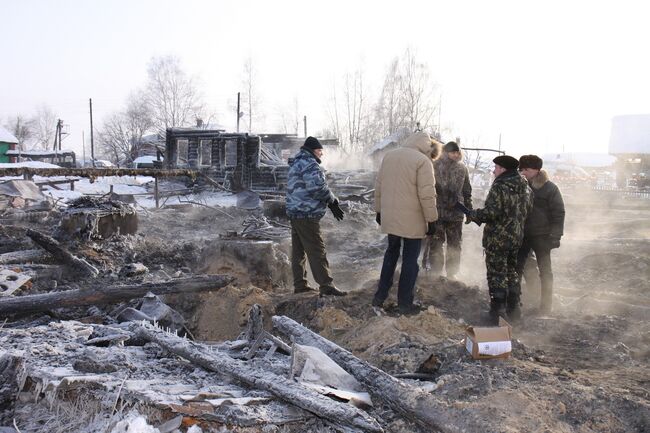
[(70, 330)]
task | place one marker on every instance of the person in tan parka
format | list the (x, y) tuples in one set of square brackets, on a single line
[(405, 202)]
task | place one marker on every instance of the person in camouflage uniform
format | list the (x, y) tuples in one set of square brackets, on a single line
[(504, 214), (452, 186), (307, 198)]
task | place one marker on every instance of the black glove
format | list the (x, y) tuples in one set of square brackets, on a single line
[(554, 242), (431, 228), (336, 209), (378, 218), (468, 219)]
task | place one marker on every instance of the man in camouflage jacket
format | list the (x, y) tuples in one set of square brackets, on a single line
[(452, 186), (504, 214), (544, 227), (307, 198)]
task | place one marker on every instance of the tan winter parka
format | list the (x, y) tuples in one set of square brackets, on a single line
[(405, 192)]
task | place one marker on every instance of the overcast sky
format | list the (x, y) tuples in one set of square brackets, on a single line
[(546, 75)]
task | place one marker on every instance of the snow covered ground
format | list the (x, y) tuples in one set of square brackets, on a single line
[(136, 185), (30, 164)]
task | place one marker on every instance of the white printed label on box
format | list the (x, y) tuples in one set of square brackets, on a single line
[(469, 344), (494, 348)]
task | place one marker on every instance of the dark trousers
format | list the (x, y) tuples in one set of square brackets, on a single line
[(501, 272), (539, 244), (450, 232), (409, 272), (306, 240)]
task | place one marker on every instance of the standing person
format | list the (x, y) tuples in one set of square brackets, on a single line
[(543, 230), (452, 186), (405, 202), (307, 197), (506, 208)]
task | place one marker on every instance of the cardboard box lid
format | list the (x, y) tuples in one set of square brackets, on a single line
[(491, 333)]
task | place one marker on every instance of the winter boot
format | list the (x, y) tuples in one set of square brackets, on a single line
[(513, 307), (305, 289), (497, 309), (331, 291), (546, 304)]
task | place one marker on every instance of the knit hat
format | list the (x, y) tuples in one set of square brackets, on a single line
[(506, 161), (530, 161), (312, 143), (451, 147)]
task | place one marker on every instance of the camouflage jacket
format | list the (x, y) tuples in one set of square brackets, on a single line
[(452, 185), (506, 207), (307, 191)]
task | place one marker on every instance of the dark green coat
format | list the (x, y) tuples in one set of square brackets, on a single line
[(547, 216), (504, 214)]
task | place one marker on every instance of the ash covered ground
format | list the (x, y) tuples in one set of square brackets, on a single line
[(582, 369)]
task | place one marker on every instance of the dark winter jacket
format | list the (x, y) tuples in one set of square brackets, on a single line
[(506, 208), (547, 215), (307, 192), (452, 185)]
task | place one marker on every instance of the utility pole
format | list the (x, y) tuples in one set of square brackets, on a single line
[(92, 141), (238, 110), (304, 120), (499, 142), (57, 135), (59, 127)]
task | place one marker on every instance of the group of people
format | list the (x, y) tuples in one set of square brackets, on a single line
[(423, 192)]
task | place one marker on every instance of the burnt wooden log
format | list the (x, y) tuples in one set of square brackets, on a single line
[(255, 324), (93, 173), (413, 403), (109, 295), (53, 247), (10, 366), (25, 256), (289, 391)]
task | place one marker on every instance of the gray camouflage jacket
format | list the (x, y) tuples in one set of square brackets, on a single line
[(307, 192)]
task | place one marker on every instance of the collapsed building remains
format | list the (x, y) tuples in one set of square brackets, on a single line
[(237, 160)]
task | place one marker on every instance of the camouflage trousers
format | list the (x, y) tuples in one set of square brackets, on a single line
[(501, 272), (433, 256)]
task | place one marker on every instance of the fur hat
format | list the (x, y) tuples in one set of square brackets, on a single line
[(436, 148), (451, 147), (506, 161), (530, 161), (312, 143)]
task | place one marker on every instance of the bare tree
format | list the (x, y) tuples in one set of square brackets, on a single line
[(45, 127), (172, 97), (290, 117), (418, 91), (349, 112), (121, 134), (251, 100), (389, 111), (22, 128), (408, 97)]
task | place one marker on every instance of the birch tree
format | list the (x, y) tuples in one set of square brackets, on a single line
[(172, 97)]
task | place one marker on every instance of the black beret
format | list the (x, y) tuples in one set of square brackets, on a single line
[(451, 147), (312, 143), (506, 161), (530, 161)]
